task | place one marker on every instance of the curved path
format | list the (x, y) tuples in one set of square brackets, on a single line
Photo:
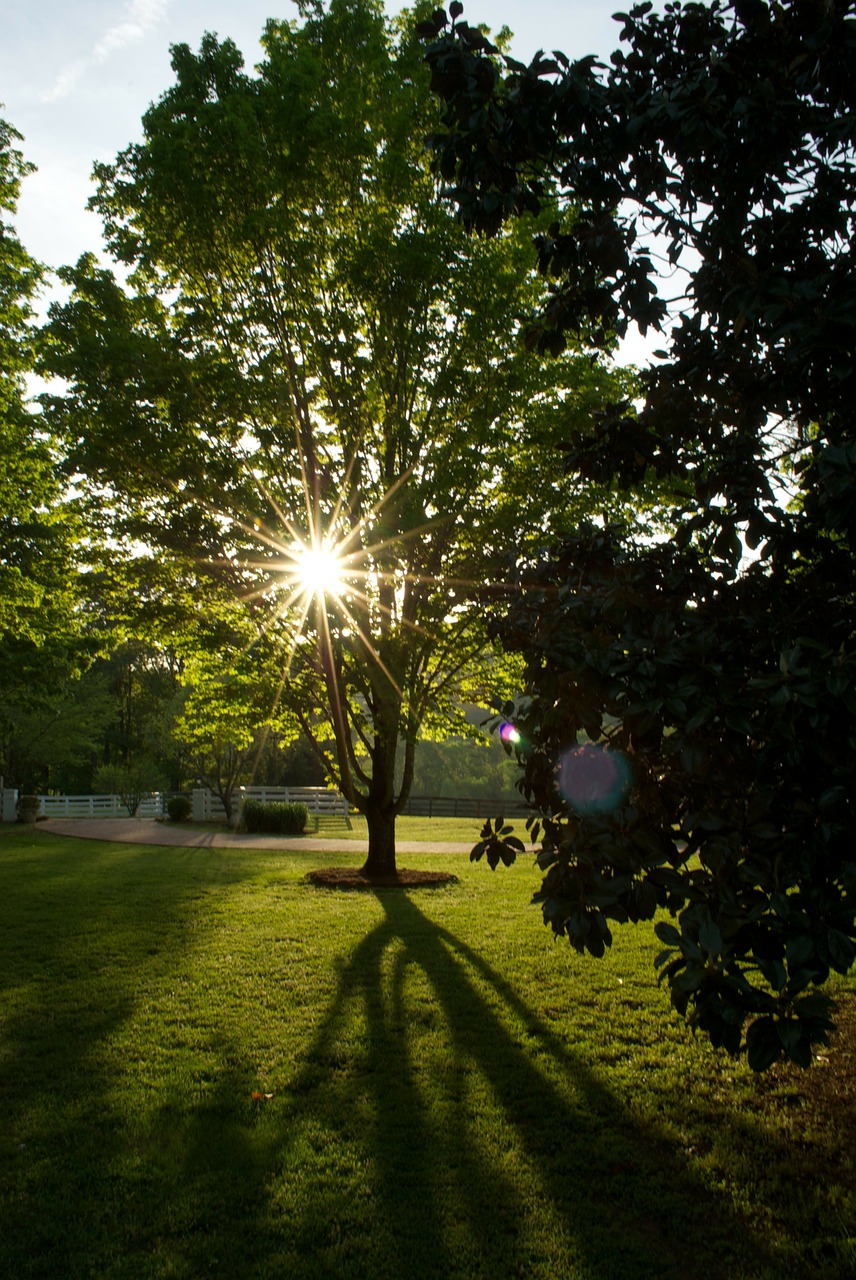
[(149, 831)]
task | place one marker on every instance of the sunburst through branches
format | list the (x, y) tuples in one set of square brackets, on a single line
[(338, 576), (336, 570)]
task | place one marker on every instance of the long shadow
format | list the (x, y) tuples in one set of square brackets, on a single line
[(601, 1175), (517, 1137), (454, 1195)]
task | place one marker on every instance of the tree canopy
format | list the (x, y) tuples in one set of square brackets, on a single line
[(307, 391), (690, 738), (40, 633)]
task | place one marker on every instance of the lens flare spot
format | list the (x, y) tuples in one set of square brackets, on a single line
[(594, 779), (509, 735)]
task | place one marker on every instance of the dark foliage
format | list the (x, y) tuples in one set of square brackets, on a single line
[(179, 808), (717, 670)]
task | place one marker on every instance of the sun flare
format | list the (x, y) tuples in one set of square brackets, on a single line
[(319, 570)]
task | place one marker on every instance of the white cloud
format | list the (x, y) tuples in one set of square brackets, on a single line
[(140, 17)]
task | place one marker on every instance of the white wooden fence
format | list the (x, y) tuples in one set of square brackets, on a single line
[(207, 806), (151, 806), (320, 802)]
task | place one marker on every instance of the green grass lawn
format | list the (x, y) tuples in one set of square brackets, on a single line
[(210, 1068), (406, 828)]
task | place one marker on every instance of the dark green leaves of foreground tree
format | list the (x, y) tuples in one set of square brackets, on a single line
[(713, 674), (312, 385)]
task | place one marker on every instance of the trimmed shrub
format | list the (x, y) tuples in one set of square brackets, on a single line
[(28, 808), (274, 817), (179, 808)]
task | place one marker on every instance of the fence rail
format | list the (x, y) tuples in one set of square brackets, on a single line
[(208, 807)]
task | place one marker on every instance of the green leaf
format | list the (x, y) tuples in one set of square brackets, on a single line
[(814, 1007), (799, 950), (775, 973), (710, 939), (763, 1046), (667, 933), (841, 950)]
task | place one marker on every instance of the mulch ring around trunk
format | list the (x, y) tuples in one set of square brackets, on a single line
[(355, 878)]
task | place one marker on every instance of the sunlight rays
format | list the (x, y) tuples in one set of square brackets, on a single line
[(331, 581), (331, 572)]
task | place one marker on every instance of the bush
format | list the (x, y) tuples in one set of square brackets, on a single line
[(28, 808), (179, 808), (279, 818)]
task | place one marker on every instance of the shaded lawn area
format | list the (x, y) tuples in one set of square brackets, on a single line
[(210, 1068)]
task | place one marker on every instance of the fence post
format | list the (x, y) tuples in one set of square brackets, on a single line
[(10, 805), (198, 805)]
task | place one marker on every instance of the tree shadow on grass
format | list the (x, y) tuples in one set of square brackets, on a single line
[(594, 1180), (432, 1126), (437, 1128)]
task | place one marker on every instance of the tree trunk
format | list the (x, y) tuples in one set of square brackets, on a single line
[(381, 823), (380, 802)]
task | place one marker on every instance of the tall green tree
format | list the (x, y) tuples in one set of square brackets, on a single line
[(720, 665), (40, 633), (54, 743), (311, 381), (232, 704)]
